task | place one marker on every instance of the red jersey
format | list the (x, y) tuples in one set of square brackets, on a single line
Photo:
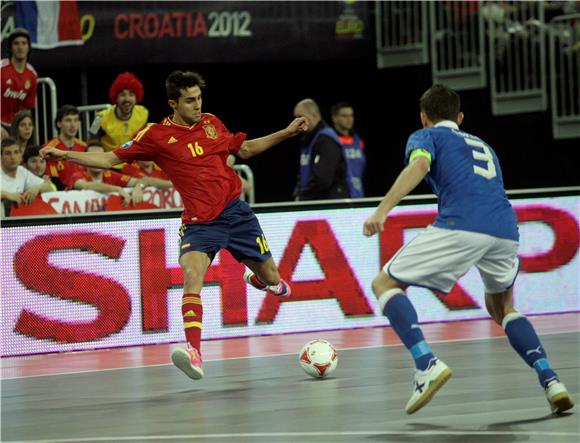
[(18, 90), (64, 170), (194, 159), (134, 170), (109, 178), (56, 142)]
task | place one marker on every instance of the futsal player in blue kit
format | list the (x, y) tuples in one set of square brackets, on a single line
[(475, 226)]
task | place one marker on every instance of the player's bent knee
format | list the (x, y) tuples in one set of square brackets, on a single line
[(382, 283), (192, 276)]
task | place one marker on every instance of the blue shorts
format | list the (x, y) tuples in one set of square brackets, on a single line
[(236, 229)]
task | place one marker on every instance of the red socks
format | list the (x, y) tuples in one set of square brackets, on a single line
[(192, 311), (256, 282)]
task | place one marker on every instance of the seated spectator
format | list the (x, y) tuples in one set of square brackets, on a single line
[(19, 185), (22, 129), (37, 165), (18, 78), (156, 177), (107, 181), (116, 125), (67, 122)]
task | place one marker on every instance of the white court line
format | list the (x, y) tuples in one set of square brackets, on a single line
[(264, 356), (307, 434)]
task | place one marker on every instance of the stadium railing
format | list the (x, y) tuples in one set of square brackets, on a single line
[(87, 114), (457, 44), (45, 110), (401, 33), (564, 32), (517, 57)]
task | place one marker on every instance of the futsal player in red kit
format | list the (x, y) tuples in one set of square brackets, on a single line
[(192, 148)]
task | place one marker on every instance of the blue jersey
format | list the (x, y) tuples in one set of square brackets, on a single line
[(466, 177)]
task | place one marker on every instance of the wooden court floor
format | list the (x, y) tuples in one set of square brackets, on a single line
[(255, 391)]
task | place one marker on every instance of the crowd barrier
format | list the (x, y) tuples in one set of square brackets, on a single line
[(85, 201), (108, 280)]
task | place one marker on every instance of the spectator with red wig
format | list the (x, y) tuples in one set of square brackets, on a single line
[(116, 125)]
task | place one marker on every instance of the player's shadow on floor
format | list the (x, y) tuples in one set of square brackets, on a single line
[(503, 424), (455, 435), (469, 436)]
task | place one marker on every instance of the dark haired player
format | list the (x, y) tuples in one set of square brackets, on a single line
[(192, 147), (475, 226)]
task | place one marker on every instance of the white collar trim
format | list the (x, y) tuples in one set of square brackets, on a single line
[(447, 124)]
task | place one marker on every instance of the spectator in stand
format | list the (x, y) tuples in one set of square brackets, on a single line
[(22, 129), (107, 181), (67, 122), (37, 165), (19, 185), (18, 79), (141, 168), (116, 125), (353, 146)]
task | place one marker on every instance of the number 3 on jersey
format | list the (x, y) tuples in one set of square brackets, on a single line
[(196, 150), (486, 156)]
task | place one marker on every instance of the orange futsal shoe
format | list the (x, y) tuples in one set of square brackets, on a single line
[(189, 361)]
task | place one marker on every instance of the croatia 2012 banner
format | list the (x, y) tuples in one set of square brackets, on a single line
[(51, 24)]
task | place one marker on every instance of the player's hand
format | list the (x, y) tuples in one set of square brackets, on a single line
[(125, 196), (12, 196), (297, 126), (375, 223), (29, 196), (137, 195), (51, 152)]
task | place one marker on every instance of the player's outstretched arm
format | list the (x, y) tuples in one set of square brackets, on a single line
[(407, 180), (258, 145), (103, 160)]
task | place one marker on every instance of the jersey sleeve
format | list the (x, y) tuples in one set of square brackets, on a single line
[(117, 179), (420, 140), (132, 170), (236, 142), (73, 178), (141, 147)]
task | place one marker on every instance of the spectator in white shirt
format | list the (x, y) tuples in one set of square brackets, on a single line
[(19, 185)]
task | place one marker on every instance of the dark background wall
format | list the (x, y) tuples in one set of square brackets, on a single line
[(259, 98), (295, 52)]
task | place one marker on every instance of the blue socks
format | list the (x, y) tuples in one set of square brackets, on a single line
[(403, 317), (523, 338)]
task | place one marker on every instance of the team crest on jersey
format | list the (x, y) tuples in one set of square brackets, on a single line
[(27, 84), (127, 145), (210, 131)]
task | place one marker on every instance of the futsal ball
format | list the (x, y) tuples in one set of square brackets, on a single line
[(318, 358)]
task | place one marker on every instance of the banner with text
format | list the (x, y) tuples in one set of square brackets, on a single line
[(118, 283), (160, 32)]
